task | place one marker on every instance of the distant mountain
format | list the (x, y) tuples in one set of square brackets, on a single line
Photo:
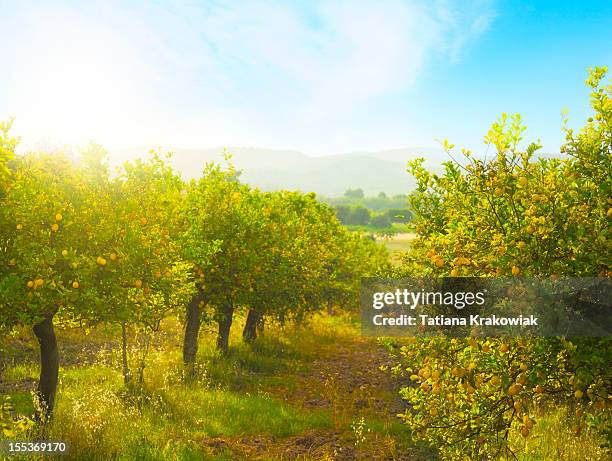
[(330, 175)]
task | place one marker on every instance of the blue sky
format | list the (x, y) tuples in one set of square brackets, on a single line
[(320, 77)]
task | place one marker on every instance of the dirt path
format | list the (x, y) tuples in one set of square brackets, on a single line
[(345, 379)]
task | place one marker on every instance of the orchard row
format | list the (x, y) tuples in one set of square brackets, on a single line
[(83, 244)]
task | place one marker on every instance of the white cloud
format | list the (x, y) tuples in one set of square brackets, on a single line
[(231, 73)]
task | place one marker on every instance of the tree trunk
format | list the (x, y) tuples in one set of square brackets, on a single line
[(192, 330), (249, 334), (127, 374), (49, 368), (143, 358), (225, 323)]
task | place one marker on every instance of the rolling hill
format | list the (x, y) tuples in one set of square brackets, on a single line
[(331, 175)]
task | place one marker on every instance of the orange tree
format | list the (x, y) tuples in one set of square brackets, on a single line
[(219, 226), (321, 247), (511, 216), (298, 243), (307, 260), (40, 211), (294, 279), (268, 279), (132, 250), (8, 426), (272, 253), (79, 246), (358, 256)]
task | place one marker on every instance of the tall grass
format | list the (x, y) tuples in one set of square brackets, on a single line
[(250, 392)]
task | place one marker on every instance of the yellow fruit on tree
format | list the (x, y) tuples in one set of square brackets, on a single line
[(19, 226), (458, 371), (38, 283), (138, 283), (75, 285), (58, 217), (30, 284), (113, 256), (539, 389), (54, 227), (439, 262), (503, 348), (495, 380), (514, 389), (64, 252), (518, 405), (515, 270), (101, 261), (485, 348), (578, 394)]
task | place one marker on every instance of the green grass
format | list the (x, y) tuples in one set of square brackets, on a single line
[(554, 437), (20, 372), (168, 417), (256, 390), (102, 419)]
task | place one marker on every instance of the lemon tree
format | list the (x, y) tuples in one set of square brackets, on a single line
[(514, 215), (219, 223), (41, 223), (139, 275)]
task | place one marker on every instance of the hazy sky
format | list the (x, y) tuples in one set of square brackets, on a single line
[(317, 76)]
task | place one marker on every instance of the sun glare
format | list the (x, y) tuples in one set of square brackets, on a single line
[(74, 85)]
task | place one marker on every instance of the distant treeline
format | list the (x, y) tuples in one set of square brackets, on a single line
[(380, 212)]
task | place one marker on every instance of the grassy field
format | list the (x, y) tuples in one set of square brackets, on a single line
[(309, 393), (317, 392)]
